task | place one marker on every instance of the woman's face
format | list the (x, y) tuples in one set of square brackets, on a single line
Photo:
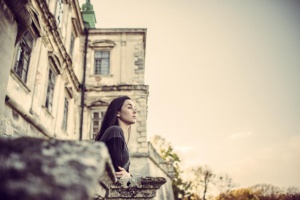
[(127, 114)]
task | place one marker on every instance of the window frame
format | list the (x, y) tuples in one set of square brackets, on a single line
[(23, 45), (101, 113), (66, 109), (50, 100), (72, 44), (99, 70)]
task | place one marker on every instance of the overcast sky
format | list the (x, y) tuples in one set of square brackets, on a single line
[(224, 80)]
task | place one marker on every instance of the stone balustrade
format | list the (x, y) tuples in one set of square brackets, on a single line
[(35, 168)]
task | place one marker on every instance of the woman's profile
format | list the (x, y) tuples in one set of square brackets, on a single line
[(115, 132)]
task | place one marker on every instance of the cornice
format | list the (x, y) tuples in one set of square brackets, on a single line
[(118, 30), (124, 87)]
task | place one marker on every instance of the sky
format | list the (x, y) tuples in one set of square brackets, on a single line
[(224, 82)]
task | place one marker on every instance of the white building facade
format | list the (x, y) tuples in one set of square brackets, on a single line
[(43, 87)]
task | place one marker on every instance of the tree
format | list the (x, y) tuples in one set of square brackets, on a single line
[(181, 188), (203, 178), (292, 193), (238, 194), (224, 184), (271, 192), (261, 192)]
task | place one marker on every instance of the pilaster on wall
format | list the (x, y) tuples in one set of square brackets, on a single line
[(142, 144), (139, 55)]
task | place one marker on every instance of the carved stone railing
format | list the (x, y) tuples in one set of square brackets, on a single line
[(135, 188), (34, 168)]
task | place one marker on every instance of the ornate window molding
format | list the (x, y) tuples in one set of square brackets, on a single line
[(102, 57), (69, 91), (76, 27), (102, 44), (54, 62)]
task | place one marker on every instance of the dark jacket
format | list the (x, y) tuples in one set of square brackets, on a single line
[(114, 139)]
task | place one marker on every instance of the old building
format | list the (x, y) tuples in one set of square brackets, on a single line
[(114, 67), (43, 87), (59, 74)]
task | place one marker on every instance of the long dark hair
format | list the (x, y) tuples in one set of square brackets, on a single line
[(110, 117)]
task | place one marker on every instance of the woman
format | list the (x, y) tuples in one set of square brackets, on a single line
[(115, 130)]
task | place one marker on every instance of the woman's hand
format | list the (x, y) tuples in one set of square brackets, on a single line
[(122, 174)]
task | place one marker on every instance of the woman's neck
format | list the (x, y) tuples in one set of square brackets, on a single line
[(125, 129)]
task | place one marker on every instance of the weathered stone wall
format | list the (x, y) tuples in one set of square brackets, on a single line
[(127, 54), (136, 188), (8, 34), (25, 111), (35, 168), (151, 164), (51, 169), (126, 77)]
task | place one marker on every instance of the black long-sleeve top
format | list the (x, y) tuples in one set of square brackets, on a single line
[(114, 139)]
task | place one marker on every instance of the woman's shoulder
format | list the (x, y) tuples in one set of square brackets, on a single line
[(113, 131), (114, 128)]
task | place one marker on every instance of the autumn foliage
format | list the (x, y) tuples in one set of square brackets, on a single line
[(261, 192)]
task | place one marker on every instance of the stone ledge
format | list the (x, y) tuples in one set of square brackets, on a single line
[(136, 188), (122, 87), (34, 168)]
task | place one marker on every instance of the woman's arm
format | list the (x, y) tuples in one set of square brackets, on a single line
[(115, 147)]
